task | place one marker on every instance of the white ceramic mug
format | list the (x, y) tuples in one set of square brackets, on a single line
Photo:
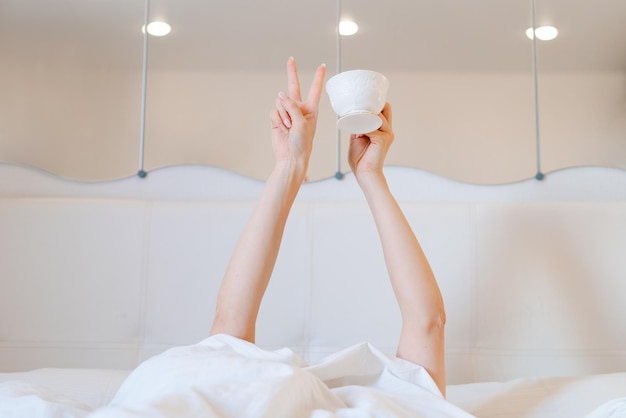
[(357, 97)]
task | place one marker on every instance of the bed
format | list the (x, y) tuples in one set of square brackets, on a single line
[(77, 392), (97, 277)]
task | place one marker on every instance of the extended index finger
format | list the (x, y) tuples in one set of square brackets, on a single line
[(293, 83)]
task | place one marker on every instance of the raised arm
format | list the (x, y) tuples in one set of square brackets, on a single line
[(413, 282), (252, 262)]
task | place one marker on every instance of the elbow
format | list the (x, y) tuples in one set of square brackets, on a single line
[(431, 322), (437, 317), (436, 321)]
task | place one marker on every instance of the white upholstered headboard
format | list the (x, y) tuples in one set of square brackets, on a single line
[(106, 274)]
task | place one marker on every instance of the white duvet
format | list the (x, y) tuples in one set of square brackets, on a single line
[(57, 393), (226, 377), (223, 377)]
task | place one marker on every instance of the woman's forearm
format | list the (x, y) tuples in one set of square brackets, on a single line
[(416, 290), (254, 257), (411, 276), (293, 122)]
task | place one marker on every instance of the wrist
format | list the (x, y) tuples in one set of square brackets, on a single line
[(372, 184), (367, 179), (290, 170)]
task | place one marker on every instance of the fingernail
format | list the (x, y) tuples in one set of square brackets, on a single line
[(287, 123), (282, 95)]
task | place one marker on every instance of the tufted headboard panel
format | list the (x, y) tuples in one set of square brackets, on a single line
[(106, 274)]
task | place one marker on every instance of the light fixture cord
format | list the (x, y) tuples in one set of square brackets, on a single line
[(144, 80), (338, 173), (539, 175)]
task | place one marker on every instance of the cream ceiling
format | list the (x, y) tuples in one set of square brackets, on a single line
[(411, 35)]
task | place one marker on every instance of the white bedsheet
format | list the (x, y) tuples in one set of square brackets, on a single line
[(75, 393), (615, 408), (550, 397), (226, 377), (57, 393)]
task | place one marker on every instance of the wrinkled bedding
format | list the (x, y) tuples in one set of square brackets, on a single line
[(223, 376), (57, 393), (615, 408)]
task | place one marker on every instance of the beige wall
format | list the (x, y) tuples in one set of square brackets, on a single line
[(82, 120)]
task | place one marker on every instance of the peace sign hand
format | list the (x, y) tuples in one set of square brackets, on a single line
[(294, 121)]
